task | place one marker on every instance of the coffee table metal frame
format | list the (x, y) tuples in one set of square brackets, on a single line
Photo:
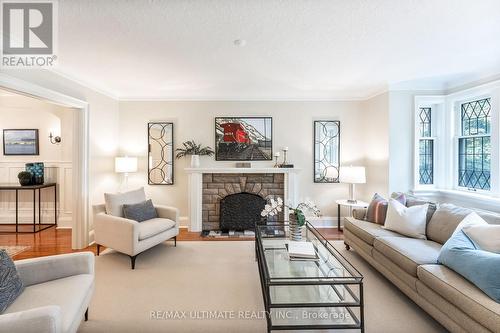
[(351, 283)]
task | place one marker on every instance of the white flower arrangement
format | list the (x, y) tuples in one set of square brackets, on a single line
[(275, 206)]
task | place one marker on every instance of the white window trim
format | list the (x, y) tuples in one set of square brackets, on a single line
[(446, 142), (456, 104), (436, 103)]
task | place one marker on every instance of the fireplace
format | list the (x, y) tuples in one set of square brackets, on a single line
[(208, 186), (240, 211), (254, 188)]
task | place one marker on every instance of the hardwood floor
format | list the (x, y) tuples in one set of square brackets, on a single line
[(57, 241)]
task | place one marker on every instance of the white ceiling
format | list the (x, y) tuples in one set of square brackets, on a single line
[(321, 49)]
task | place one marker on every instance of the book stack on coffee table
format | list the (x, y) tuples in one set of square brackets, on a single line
[(301, 251)]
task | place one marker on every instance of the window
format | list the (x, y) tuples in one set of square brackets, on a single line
[(474, 145), (425, 147)]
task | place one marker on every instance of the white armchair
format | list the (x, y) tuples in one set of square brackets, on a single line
[(57, 294), (131, 237)]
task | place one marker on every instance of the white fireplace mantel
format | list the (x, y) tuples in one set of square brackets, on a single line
[(195, 188)]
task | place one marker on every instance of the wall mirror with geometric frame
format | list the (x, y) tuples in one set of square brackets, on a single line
[(160, 153), (326, 151)]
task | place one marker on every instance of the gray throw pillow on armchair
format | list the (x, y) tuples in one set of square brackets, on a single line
[(141, 211), (11, 285)]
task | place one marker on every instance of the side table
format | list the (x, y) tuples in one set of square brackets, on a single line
[(351, 205)]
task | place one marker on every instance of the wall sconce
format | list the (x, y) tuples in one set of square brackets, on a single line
[(54, 139)]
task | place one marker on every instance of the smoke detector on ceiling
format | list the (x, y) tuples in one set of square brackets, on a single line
[(240, 42)]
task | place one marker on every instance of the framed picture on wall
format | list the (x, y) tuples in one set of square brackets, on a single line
[(326, 151), (20, 142), (160, 153), (243, 138)]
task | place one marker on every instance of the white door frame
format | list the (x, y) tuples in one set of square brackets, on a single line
[(81, 204)]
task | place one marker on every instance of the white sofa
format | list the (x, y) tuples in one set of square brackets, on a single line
[(57, 294), (128, 236)]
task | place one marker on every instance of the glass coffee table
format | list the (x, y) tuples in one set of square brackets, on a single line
[(307, 294)]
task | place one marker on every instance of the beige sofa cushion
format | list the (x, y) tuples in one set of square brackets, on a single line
[(114, 201), (69, 293), (444, 222), (461, 293), (367, 231), (408, 253), (153, 227)]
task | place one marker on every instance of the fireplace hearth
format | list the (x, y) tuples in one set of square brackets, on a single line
[(240, 211)]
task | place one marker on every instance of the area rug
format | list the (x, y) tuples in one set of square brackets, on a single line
[(174, 289), (12, 250)]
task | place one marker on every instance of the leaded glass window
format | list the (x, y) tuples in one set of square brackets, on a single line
[(426, 147), (474, 145)]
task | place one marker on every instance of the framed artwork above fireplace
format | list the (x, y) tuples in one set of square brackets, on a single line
[(243, 138)]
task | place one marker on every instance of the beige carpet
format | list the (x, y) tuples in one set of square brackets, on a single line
[(218, 276)]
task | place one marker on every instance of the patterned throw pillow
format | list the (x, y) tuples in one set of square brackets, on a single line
[(11, 285), (141, 211), (377, 210)]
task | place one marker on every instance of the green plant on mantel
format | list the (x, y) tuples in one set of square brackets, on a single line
[(192, 148)]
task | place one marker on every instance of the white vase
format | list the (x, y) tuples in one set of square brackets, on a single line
[(195, 161)]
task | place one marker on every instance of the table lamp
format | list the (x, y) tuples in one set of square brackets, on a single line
[(125, 165), (352, 175)]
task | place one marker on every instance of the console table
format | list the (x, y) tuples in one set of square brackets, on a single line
[(34, 188)]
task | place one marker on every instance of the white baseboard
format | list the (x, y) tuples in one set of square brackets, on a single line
[(325, 221)]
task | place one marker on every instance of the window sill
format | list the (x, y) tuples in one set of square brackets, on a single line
[(488, 202)]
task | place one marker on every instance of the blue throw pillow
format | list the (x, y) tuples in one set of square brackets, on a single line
[(480, 267), (11, 285), (141, 211)]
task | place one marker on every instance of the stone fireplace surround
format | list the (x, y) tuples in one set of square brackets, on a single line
[(207, 186), (217, 186)]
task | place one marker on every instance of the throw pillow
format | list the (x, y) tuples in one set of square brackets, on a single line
[(445, 221), (115, 201), (11, 285), (484, 236), (377, 210), (470, 220), (408, 221), (414, 201), (141, 211), (482, 268)]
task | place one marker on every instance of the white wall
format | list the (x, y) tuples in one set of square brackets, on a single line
[(375, 135), (292, 127), (18, 112), (103, 117)]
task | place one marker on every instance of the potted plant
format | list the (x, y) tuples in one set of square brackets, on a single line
[(297, 218), (195, 151), (24, 178)]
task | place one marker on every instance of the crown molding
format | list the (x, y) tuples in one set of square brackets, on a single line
[(86, 84)]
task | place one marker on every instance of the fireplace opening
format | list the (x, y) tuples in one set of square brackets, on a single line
[(240, 211)]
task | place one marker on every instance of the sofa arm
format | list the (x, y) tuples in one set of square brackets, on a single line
[(40, 270), (46, 319), (118, 233), (168, 212), (359, 213)]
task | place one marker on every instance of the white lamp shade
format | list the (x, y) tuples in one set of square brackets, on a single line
[(125, 164), (352, 175)]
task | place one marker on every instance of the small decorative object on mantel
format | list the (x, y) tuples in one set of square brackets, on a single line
[(297, 216), (24, 178), (276, 156), (37, 171), (194, 150), (284, 164)]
